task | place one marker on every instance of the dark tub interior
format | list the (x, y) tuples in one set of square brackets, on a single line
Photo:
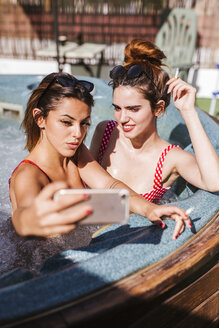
[(117, 251)]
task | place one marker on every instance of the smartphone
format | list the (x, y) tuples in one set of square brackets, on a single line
[(109, 205)]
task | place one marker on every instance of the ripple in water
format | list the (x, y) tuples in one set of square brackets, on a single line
[(30, 252)]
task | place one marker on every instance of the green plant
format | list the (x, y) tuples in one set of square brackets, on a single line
[(204, 104)]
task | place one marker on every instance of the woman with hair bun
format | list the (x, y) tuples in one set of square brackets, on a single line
[(130, 148), (56, 120)]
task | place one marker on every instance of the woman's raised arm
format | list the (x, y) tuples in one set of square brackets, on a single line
[(203, 170)]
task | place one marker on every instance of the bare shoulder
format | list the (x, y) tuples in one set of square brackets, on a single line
[(178, 157), (27, 176), (178, 151), (97, 138), (26, 183)]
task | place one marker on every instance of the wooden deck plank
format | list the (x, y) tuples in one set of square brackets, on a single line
[(206, 312)]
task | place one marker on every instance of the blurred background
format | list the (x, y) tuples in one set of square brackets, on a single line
[(41, 36)]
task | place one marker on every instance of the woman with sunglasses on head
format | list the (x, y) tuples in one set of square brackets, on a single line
[(130, 148), (56, 121)]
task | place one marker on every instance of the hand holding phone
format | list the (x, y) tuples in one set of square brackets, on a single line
[(108, 205)]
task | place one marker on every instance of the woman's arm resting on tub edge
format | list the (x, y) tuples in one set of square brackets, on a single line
[(96, 177)]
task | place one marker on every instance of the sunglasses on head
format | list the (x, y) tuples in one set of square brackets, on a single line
[(132, 72), (66, 81)]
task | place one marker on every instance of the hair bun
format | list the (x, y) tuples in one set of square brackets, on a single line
[(142, 52)]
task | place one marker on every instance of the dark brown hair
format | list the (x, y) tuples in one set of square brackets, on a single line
[(152, 82), (47, 97)]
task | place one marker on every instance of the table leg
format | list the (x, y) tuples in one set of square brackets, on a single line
[(100, 65), (87, 67)]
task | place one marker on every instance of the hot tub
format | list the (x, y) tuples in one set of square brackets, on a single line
[(133, 275)]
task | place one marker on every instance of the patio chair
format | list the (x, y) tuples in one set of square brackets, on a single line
[(177, 38)]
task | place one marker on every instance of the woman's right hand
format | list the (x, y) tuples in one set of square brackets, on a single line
[(157, 213), (183, 94), (47, 217)]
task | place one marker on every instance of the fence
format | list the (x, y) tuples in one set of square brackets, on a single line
[(27, 25)]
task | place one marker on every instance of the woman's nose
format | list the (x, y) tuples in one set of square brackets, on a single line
[(76, 131), (123, 116)]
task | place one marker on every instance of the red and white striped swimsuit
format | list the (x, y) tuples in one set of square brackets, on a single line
[(158, 191)]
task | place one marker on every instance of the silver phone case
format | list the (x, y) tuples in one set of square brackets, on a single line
[(109, 205)]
